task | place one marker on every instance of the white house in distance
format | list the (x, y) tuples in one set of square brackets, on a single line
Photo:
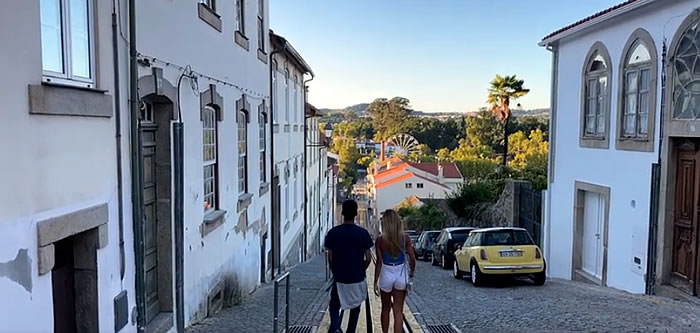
[(392, 180), (288, 69), (319, 198), (66, 250), (624, 162)]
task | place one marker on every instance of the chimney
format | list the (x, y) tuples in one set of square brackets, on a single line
[(440, 172), (382, 151), (388, 165)]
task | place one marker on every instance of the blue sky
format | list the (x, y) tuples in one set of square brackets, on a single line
[(440, 54)]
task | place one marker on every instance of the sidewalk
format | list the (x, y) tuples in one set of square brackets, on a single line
[(375, 308), (308, 302)]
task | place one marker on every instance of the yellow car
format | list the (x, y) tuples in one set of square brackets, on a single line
[(499, 251)]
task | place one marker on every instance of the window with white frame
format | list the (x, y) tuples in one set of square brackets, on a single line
[(296, 100), (262, 120), (596, 104), (242, 151), (67, 47), (296, 184), (261, 25), (409, 185), (240, 16), (419, 185), (637, 85), (286, 96), (209, 144), (275, 102), (286, 191)]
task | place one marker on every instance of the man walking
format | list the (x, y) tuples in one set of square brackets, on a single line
[(349, 255)]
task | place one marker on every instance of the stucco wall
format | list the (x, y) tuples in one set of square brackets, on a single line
[(50, 166), (231, 251), (388, 197), (626, 173)]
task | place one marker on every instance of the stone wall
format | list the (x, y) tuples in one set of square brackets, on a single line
[(503, 213)]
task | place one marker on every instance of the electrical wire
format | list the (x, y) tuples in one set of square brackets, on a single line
[(249, 93)]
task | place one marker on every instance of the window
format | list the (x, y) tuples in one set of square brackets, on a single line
[(240, 16), (261, 25), (262, 120), (296, 183), (409, 185), (286, 191), (419, 185), (67, 50), (637, 102), (210, 3), (242, 151), (596, 99), (209, 127), (296, 101), (686, 95), (286, 95), (275, 102), (507, 237)]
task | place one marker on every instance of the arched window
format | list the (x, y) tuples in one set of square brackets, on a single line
[(686, 75), (596, 98), (638, 93)]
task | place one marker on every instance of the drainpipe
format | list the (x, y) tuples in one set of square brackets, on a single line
[(179, 190), (552, 146), (273, 189), (136, 177), (118, 138)]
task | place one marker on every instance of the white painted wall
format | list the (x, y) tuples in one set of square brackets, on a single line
[(289, 149), (628, 174), (228, 251), (388, 197), (54, 165)]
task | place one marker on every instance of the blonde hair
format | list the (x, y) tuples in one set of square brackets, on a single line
[(392, 232)]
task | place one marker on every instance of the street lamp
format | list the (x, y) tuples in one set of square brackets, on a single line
[(328, 130)]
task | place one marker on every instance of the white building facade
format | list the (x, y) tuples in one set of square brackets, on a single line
[(320, 196), (622, 198), (210, 79), (66, 254), (393, 180), (288, 95)]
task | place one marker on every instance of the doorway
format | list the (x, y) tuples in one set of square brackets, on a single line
[(157, 211), (684, 266), (591, 211)]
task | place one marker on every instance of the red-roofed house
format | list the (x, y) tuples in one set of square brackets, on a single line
[(623, 199), (391, 181)]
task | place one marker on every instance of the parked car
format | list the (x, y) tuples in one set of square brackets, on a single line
[(413, 235), (446, 245), (499, 251), (424, 246)]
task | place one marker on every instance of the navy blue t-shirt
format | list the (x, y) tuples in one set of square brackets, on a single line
[(348, 243)]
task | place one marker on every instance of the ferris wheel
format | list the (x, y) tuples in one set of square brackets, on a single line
[(404, 144)]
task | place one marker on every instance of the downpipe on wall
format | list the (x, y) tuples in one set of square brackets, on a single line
[(136, 176), (118, 138), (178, 161), (276, 258), (306, 196)]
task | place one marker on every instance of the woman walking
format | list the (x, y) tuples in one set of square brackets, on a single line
[(396, 264)]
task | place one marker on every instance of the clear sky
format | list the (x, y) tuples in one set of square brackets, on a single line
[(440, 54)]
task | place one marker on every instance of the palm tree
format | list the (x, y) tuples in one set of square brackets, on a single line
[(504, 89)]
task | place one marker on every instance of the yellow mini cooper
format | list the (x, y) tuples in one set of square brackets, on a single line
[(499, 251)]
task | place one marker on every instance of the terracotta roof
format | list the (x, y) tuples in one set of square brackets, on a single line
[(404, 177), (589, 18), (449, 170)]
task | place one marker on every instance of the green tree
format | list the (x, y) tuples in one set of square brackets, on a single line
[(388, 116), (501, 92), (365, 161), (443, 155), (469, 195), (530, 156)]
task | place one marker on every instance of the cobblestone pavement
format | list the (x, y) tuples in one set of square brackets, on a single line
[(308, 302), (558, 306)]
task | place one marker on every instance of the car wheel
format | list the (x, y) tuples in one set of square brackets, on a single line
[(539, 278), (444, 263), (433, 261), (456, 272), (476, 276)]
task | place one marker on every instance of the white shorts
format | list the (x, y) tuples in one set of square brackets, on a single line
[(393, 277)]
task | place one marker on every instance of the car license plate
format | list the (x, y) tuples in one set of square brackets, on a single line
[(511, 254)]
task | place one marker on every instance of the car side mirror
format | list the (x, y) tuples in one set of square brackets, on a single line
[(458, 246)]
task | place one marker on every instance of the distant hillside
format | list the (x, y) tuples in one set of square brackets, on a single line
[(361, 109)]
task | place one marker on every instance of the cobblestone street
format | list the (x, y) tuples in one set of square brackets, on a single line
[(558, 306), (308, 302)]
